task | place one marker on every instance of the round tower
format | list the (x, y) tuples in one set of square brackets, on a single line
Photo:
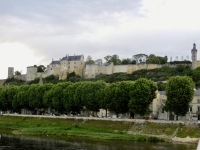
[(10, 72), (194, 57)]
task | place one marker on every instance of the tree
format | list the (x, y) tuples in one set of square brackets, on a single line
[(140, 58), (118, 96), (17, 72), (108, 58), (142, 94), (152, 59), (196, 74), (161, 86), (115, 59), (128, 61), (99, 62), (163, 60), (69, 99), (41, 68), (89, 60), (11, 92), (57, 95), (102, 100), (179, 92), (21, 98), (89, 93)]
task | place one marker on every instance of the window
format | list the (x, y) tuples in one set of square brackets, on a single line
[(163, 110), (74, 62), (68, 67), (69, 63), (198, 101), (198, 108), (190, 109)]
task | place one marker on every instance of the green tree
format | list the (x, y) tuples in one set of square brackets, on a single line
[(163, 60), (152, 59), (102, 99), (89, 92), (115, 59), (3, 99), (69, 102), (140, 58), (21, 98), (17, 73), (142, 94), (89, 60), (51, 79), (118, 96), (128, 61), (57, 95), (36, 94), (41, 68), (196, 74), (11, 92), (179, 92), (161, 86)]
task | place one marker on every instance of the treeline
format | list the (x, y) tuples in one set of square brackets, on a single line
[(136, 59), (68, 97)]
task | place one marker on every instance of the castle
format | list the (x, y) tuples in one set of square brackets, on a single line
[(58, 68), (76, 63)]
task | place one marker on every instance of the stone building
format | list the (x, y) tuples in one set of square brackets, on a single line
[(58, 68), (158, 112)]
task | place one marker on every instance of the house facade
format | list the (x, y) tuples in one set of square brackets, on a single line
[(158, 111)]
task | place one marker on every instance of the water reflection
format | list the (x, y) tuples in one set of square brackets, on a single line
[(10, 142)]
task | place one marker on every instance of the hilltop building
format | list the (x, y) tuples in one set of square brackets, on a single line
[(76, 63), (58, 68)]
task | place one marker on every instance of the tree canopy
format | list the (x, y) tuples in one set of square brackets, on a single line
[(142, 94), (179, 92)]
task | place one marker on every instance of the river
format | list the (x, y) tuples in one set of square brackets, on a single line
[(11, 142)]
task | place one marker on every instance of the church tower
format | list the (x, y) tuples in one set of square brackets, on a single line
[(194, 57)]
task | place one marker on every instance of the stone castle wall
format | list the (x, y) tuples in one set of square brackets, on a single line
[(93, 70)]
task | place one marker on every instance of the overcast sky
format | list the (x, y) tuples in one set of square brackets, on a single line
[(35, 31)]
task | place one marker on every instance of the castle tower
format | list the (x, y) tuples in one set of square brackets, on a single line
[(10, 72), (194, 57)]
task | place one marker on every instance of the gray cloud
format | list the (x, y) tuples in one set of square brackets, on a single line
[(96, 28)]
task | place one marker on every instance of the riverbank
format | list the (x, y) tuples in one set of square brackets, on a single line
[(98, 129)]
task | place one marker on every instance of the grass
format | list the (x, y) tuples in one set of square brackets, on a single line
[(95, 129), (191, 131), (160, 129)]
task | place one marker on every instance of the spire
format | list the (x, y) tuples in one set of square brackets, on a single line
[(41, 82), (194, 46)]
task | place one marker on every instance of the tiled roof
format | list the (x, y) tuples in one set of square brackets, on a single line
[(71, 58), (55, 62)]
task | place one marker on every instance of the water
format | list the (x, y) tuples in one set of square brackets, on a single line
[(10, 142)]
